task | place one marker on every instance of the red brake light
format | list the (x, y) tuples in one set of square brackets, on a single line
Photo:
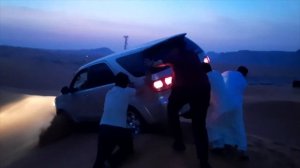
[(163, 83), (168, 80)]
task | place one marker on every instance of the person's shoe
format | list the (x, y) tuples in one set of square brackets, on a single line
[(179, 146)]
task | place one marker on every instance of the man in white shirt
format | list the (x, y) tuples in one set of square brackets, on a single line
[(113, 131)]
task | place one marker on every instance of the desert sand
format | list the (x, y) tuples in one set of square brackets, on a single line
[(272, 115)]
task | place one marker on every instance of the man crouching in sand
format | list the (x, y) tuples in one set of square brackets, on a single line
[(113, 131)]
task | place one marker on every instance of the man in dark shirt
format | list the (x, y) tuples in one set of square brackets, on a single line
[(191, 86)]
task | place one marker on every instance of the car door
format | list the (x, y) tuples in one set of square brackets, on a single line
[(89, 92)]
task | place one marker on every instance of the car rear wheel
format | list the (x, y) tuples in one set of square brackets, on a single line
[(135, 121)]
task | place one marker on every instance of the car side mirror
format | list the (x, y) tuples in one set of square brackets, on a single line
[(65, 90)]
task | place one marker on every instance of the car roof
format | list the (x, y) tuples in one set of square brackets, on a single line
[(138, 49)]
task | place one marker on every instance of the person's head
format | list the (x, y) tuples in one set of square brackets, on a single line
[(122, 80), (243, 70), (206, 67)]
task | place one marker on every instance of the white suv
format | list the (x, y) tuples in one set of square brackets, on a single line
[(83, 100)]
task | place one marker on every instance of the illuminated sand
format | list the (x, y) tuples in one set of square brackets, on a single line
[(21, 122)]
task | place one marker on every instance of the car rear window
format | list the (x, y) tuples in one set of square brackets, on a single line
[(134, 64)]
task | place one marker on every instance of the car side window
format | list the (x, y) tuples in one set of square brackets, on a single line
[(80, 80), (96, 75), (99, 75)]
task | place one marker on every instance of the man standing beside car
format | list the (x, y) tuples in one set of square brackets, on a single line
[(190, 86)]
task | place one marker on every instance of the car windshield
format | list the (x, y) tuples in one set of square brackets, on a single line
[(134, 64)]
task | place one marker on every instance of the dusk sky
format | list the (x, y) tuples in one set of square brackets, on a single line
[(215, 25)]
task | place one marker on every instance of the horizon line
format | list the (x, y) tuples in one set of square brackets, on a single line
[(103, 47)]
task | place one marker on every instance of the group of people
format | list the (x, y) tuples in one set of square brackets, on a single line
[(195, 84)]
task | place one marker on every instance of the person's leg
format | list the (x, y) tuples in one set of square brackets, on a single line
[(125, 144), (215, 140), (199, 104), (214, 135), (241, 131), (105, 146), (228, 127), (241, 135), (176, 101)]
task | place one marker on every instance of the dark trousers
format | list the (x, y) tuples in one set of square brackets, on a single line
[(110, 137), (198, 99)]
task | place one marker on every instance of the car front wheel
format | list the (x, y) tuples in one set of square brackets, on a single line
[(60, 127)]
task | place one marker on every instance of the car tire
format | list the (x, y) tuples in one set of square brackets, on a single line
[(60, 127), (135, 121)]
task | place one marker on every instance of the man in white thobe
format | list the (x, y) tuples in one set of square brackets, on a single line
[(236, 84), (220, 104)]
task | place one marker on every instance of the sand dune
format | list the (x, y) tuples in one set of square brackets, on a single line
[(265, 67), (41, 69), (271, 114)]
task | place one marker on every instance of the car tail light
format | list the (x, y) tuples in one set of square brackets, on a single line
[(168, 80), (158, 84), (163, 83), (206, 60)]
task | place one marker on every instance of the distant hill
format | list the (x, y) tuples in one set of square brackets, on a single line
[(54, 55), (42, 68), (267, 67)]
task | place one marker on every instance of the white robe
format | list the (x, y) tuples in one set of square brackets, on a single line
[(220, 104), (233, 121), (219, 94)]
